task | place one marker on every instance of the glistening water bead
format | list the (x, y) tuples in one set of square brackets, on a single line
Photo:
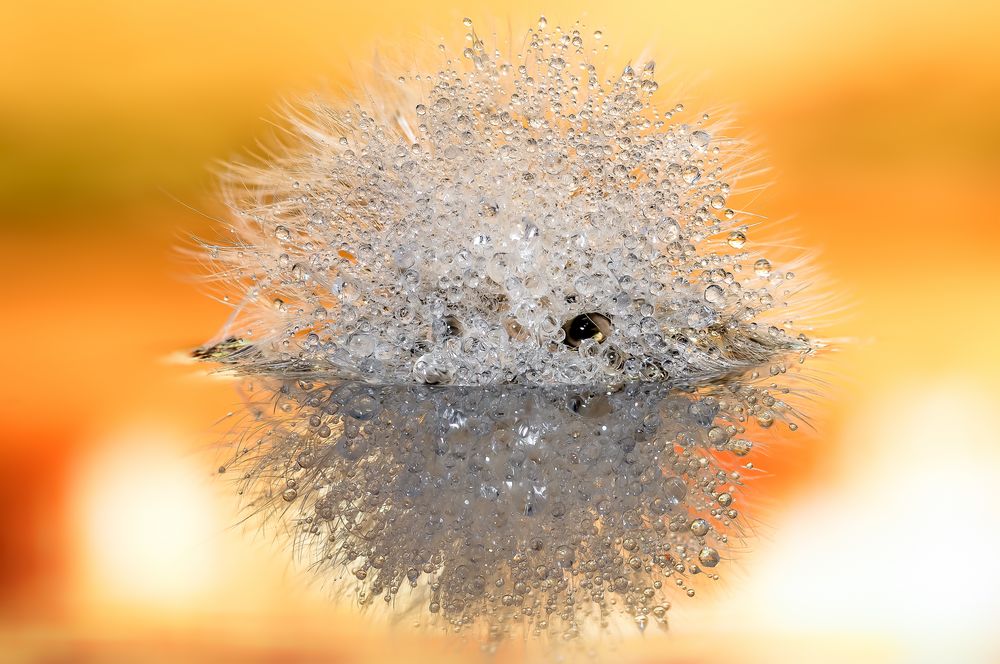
[(505, 340)]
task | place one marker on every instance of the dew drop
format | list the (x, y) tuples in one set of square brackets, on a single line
[(708, 557), (715, 294), (700, 139)]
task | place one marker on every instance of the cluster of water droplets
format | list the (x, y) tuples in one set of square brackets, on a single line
[(455, 241), (506, 340), (504, 508)]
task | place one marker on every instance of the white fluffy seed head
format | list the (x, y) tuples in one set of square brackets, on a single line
[(508, 341), (508, 219)]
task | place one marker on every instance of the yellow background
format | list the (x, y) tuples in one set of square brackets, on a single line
[(881, 122)]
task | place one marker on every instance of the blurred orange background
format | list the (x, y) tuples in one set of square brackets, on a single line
[(881, 121)]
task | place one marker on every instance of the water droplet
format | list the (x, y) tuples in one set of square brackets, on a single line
[(699, 527), (715, 294), (671, 230), (675, 489), (700, 139), (708, 557), (362, 407), (361, 345), (565, 555), (740, 447)]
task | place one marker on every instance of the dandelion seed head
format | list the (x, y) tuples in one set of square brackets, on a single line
[(510, 335), (451, 241)]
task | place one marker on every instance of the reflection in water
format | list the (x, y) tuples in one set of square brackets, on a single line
[(503, 507)]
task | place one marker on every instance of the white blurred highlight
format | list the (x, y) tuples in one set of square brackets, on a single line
[(902, 545), (148, 520)]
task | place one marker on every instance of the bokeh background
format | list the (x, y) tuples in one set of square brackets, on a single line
[(881, 121)]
